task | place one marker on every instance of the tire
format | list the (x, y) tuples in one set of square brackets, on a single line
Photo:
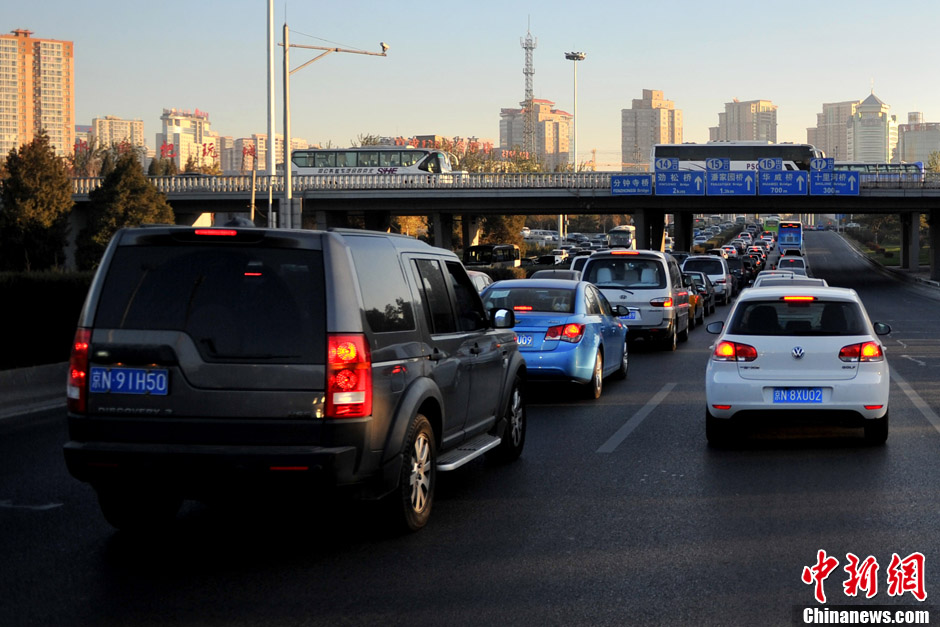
[(513, 440), (130, 508), (876, 431), (701, 319), (669, 342), (718, 431), (595, 386), (412, 500), (693, 319), (624, 362), (683, 336)]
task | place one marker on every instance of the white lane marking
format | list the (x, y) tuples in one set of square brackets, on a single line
[(903, 345), (39, 508), (916, 361), (918, 402), (634, 421)]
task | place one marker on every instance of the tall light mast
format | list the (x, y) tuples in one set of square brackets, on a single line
[(528, 106)]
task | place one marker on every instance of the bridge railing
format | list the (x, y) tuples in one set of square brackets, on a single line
[(457, 180)]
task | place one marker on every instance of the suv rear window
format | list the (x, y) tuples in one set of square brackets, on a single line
[(626, 271), (235, 302), (708, 266)]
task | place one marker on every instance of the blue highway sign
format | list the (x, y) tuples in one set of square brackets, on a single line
[(666, 163), (833, 183), (733, 183), (680, 183), (822, 164), (783, 183), (631, 184)]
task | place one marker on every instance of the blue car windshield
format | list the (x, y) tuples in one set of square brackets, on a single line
[(523, 299)]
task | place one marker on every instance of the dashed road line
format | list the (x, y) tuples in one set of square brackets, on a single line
[(634, 421)]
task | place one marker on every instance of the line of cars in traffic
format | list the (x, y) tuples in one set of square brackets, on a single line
[(793, 347)]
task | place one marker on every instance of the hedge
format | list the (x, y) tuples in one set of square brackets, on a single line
[(41, 310)]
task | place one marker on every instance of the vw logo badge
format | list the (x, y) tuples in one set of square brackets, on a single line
[(797, 352)]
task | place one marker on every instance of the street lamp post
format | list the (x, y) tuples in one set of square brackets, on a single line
[(286, 214), (575, 57)]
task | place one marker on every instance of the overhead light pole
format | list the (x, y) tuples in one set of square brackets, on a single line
[(575, 57), (286, 213)]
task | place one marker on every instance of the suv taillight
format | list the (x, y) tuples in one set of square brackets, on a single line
[(76, 388), (348, 376)]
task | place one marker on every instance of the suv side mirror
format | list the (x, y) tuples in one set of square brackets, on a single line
[(502, 318)]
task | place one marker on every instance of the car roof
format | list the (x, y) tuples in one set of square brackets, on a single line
[(797, 280), (819, 291), (540, 283)]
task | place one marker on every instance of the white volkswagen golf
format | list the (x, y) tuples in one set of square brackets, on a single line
[(797, 352)]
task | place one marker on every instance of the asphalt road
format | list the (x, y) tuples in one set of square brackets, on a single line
[(617, 513)]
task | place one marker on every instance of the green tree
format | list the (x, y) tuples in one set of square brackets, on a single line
[(126, 198), (933, 162), (36, 200)]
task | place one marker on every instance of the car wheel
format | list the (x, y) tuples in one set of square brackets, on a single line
[(876, 431), (510, 447), (692, 319), (624, 362), (701, 319), (718, 431), (683, 335), (595, 386), (412, 501), (130, 508), (669, 342)]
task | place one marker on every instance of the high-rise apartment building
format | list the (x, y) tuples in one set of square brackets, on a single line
[(553, 133), (111, 130), (872, 132), (187, 136), (917, 139), (651, 120), (831, 133), (754, 120), (37, 91)]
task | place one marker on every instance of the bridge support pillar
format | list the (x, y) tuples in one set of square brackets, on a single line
[(682, 232), (910, 241), (934, 221), (443, 230), (377, 220), (472, 226), (650, 228)]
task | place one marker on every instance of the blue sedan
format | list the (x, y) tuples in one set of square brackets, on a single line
[(566, 330)]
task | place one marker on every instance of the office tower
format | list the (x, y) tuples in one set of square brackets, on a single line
[(651, 120), (754, 120), (831, 134), (872, 132), (37, 91), (917, 139), (552, 133), (111, 130)]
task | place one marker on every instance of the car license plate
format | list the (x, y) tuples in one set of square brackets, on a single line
[(633, 315), (524, 340), (129, 381), (798, 395)]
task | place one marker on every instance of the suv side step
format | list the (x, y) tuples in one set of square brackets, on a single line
[(469, 450)]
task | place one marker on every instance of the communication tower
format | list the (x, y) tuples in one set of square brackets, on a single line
[(528, 106)]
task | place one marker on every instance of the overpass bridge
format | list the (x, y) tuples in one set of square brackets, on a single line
[(332, 200)]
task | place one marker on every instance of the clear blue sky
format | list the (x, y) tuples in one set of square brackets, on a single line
[(452, 67)]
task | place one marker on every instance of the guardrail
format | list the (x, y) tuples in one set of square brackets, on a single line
[(558, 180)]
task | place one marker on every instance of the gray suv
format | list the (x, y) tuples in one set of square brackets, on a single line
[(218, 361)]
